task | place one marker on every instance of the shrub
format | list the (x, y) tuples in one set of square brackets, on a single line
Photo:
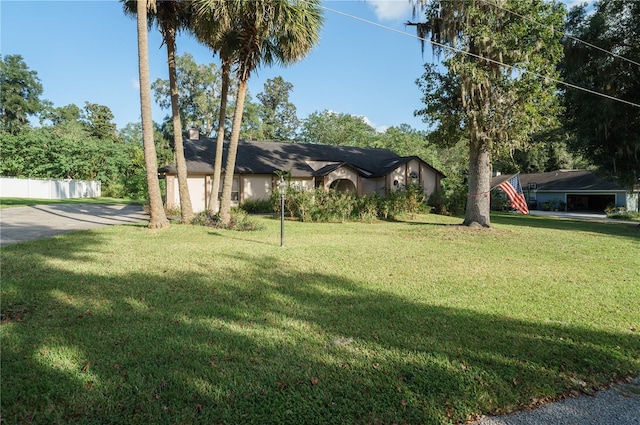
[(452, 200), (621, 213), (437, 203), (367, 208), (240, 221), (260, 206), (322, 206), (172, 211), (408, 200), (499, 201), (554, 205)]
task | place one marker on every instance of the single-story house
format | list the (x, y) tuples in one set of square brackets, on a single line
[(358, 170), (575, 190)]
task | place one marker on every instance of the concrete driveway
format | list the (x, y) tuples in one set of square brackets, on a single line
[(42, 221), (574, 215)]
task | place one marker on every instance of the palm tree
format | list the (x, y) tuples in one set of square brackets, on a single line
[(214, 204), (158, 219), (171, 16), (215, 30), (264, 32)]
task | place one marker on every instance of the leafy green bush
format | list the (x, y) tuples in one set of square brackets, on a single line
[(240, 221), (338, 206), (621, 213), (554, 205), (172, 211), (259, 206), (408, 200), (499, 201), (451, 200), (437, 203), (367, 208)]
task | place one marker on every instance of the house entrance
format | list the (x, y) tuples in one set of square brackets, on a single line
[(343, 185), (589, 202)]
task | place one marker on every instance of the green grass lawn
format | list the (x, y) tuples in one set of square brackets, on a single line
[(420, 322), (27, 202)]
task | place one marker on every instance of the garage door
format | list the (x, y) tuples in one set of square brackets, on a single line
[(589, 202)]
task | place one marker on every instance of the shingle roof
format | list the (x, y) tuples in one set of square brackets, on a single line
[(563, 180), (267, 157)]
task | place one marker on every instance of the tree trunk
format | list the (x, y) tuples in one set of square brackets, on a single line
[(214, 203), (158, 219), (479, 200), (225, 207), (186, 209)]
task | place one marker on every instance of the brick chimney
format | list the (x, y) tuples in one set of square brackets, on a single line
[(194, 133)]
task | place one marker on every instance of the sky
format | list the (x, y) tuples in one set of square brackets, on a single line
[(86, 51)]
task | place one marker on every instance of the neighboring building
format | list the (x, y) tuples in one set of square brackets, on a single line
[(358, 170), (575, 190)]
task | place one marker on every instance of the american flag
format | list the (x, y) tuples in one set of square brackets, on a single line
[(513, 190)]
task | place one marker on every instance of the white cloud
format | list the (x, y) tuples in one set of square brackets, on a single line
[(135, 83), (378, 128), (391, 10)]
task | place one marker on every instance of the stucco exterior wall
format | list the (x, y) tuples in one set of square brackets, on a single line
[(172, 191), (260, 186), (342, 173), (371, 186), (428, 180), (305, 183), (256, 187), (196, 191), (413, 172), (398, 175)]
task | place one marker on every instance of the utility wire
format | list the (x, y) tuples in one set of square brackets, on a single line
[(456, 50), (563, 33)]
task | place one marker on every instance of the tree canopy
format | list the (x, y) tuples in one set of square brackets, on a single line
[(199, 88), (494, 91), (277, 113), (20, 91), (336, 128), (605, 130)]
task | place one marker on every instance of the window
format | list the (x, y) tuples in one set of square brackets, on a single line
[(235, 195)]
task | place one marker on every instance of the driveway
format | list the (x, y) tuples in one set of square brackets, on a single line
[(575, 215), (42, 221), (619, 405)]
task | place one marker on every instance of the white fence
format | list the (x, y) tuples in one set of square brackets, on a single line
[(12, 187)]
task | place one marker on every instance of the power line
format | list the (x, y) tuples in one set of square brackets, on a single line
[(456, 50), (563, 33)]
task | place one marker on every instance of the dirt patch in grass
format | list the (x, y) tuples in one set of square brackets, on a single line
[(14, 313)]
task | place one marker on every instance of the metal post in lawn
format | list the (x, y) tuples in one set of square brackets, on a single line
[(283, 188)]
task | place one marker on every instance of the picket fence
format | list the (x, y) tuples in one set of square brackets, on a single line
[(12, 187)]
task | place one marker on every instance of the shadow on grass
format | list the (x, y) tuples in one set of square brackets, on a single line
[(229, 235), (270, 345)]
